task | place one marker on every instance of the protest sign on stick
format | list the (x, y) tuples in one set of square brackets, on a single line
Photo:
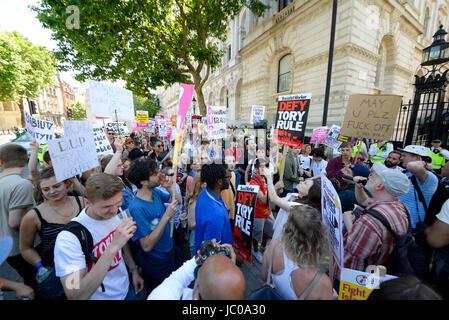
[(257, 114), (38, 129), (216, 122), (101, 141), (333, 219), (76, 152), (110, 101), (371, 116), (318, 134), (162, 128), (142, 118), (331, 139), (244, 220)]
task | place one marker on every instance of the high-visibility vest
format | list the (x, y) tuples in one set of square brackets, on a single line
[(438, 160), (356, 148), (40, 154), (377, 157)]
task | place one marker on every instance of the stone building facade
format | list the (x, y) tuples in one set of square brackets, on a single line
[(378, 50)]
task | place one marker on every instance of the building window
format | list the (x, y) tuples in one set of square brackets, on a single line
[(284, 3), (284, 74), (229, 52)]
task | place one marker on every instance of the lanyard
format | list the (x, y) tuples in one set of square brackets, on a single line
[(218, 202)]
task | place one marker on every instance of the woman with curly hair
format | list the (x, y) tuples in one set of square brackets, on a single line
[(297, 255)]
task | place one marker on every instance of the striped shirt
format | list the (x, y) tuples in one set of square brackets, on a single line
[(369, 242)]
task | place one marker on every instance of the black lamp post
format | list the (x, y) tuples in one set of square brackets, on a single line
[(194, 105), (438, 52)]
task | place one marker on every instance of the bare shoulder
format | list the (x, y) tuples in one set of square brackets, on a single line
[(301, 278)]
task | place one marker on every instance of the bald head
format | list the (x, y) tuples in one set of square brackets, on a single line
[(220, 279)]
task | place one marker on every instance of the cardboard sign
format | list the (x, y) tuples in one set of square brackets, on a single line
[(110, 101), (245, 207), (257, 114), (101, 142), (142, 118), (216, 122), (162, 128), (332, 137), (371, 116), (319, 134), (291, 119), (38, 129), (119, 128), (76, 152), (333, 218), (358, 285)]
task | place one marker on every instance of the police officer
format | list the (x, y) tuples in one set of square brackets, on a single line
[(438, 159), (359, 145), (379, 151)]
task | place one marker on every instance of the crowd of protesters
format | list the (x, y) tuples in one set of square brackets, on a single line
[(135, 228)]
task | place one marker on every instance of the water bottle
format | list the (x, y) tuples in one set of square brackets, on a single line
[(42, 272)]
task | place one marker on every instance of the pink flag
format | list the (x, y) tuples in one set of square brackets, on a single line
[(184, 103)]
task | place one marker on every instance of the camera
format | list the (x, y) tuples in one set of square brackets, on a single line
[(208, 249)]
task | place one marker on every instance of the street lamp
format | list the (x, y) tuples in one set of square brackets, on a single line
[(438, 51), (194, 105)]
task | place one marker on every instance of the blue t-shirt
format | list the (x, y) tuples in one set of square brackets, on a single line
[(411, 198), (128, 197), (212, 219), (147, 215)]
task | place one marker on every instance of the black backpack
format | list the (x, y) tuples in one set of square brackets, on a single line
[(87, 243), (407, 257)]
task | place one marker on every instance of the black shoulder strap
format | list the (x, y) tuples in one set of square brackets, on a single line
[(382, 219), (420, 194), (232, 187), (39, 215), (79, 204), (85, 238)]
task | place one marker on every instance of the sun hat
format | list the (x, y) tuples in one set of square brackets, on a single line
[(416, 149), (395, 182)]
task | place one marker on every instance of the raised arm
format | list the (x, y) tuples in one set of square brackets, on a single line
[(274, 198)]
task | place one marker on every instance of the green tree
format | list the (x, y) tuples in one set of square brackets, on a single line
[(145, 43), (78, 111), (151, 105), (25, 69)]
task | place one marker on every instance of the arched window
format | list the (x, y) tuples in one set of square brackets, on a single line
[(284, 73)]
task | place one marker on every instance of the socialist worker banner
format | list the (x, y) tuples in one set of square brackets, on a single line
[(291, 119), (244, 219)]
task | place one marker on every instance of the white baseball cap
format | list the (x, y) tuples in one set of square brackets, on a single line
[(394, 181), (416, 149)]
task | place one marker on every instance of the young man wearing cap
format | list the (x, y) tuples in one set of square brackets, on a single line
[(368, 242), (412, 160)]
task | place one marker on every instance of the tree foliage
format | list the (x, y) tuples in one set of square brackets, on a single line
[(146, 43), (151, 105), (78, 111)]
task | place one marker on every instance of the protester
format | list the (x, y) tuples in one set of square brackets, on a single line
[(47, 220), (360, 148), (368, 242), (211, 215), (16, 198), (218, 279), (228, 195), (22, 291), (157, 146), (297, 256), (335, 165), (347, 195), (108, 278), (291, 171), (406, 287), (263, 218), (427, 182), (393, 161), (305, 159), (157, 251), (111, 138), (318, 164), (195, 168)]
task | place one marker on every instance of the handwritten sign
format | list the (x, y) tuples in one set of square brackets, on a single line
[(244, 220), (371, 116), (318, 134), (291, 119), (333, 218), (151, 126), (142, 118), (38, 129), (216, 122), (106, 100), (102, 144), (76, 152), (257, 114)]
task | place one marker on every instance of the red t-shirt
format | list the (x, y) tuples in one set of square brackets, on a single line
[(262, 210)]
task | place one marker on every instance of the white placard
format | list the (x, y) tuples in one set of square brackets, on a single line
[(105, 99), (162, 128), (151, 127), (38, 129), (257, 114), (101, 141), (216, 122), (333, 218), (332, 136)]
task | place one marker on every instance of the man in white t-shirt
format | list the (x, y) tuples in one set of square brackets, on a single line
[(107, 279)]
